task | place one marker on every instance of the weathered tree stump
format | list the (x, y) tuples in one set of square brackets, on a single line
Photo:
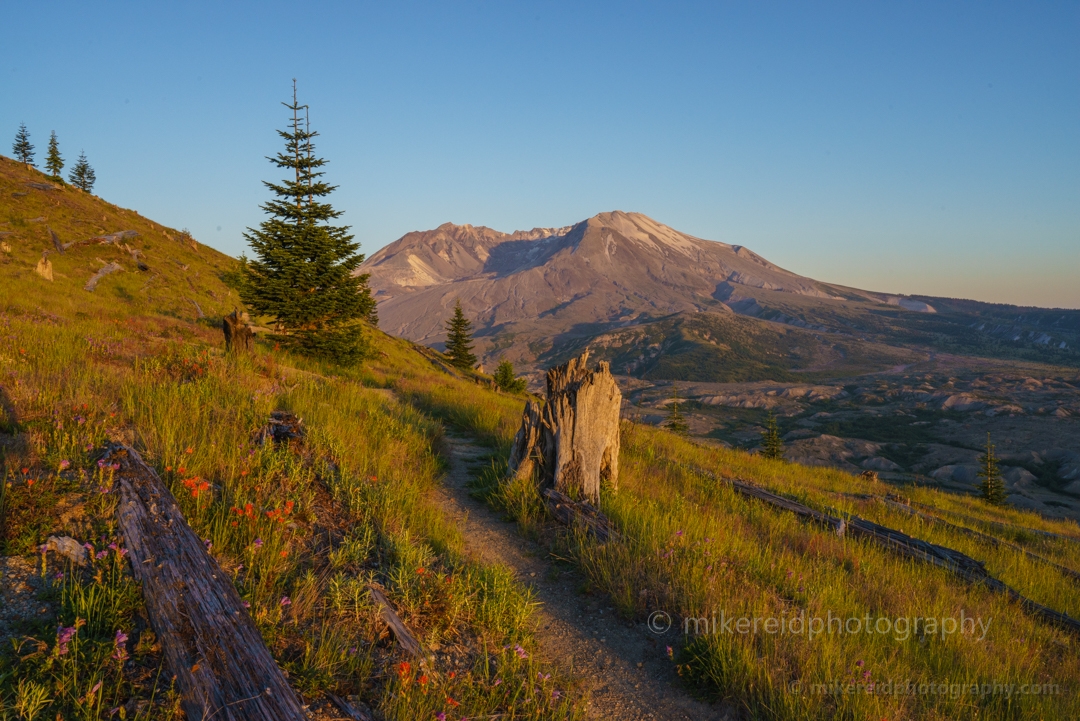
[(574, 438), (222, 667), (238, 335)]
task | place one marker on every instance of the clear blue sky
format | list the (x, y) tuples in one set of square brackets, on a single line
[(908, 147)]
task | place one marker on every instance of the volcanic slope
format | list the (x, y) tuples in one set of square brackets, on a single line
[(539, 296)]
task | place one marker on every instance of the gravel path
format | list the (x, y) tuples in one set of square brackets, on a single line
[(624, 665)]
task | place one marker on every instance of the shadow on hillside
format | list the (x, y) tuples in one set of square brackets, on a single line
[(515, 255)]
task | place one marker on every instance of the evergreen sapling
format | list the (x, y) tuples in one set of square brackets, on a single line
[(992, 486), (82, 176), (506, 380), (54, 163), (23, 150), (676, 422), (459, 340), (772, 444)]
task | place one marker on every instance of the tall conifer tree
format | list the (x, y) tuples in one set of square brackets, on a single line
[(459, 339), (302, 272), (82, 176), (53, 161), (23, 150)]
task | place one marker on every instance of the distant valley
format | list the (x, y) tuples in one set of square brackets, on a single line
[(907, 386)]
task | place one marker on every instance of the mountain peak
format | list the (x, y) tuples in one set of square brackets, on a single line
[(614, 268)]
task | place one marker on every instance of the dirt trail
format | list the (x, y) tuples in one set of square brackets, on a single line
[(625, 666)]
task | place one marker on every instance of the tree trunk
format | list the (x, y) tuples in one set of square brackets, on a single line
[(575, 437), (238, 335), (222, 667)]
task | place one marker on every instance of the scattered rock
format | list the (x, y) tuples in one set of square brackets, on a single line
[(962, 473), (1016, 477), (962, 402), (67, 547), (877, 463)]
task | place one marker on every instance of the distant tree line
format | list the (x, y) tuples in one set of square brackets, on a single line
[(82, 176)]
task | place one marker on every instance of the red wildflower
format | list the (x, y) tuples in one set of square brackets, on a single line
[(420, 571), (422, 679), (404, 669), (450, 700)]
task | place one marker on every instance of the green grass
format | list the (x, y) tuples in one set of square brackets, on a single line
[(313, 523), (353, 504), (693, 547)]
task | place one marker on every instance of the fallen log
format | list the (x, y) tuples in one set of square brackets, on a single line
[(404, 636), (1006, 526), (356, 714), (982, 537), (581, 513), (111, 238), (958, 563), (211, 646), (96, 278)]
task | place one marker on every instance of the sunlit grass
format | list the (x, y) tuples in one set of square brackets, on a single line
[(301, 529)]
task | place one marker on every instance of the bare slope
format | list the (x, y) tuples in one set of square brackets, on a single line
[(537, 296)]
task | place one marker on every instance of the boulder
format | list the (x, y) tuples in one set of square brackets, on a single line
[(877, 463)]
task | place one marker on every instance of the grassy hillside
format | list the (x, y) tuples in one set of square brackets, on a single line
[(693, 548), (182, 279), (302, 528)]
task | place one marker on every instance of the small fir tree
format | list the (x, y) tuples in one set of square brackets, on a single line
[(676, 422), (302, 274), (24, 151), (459, 339), (53, 161), (82, 176), (992, 486), (506, 380), (772, 444)]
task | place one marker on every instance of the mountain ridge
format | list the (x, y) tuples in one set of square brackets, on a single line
[(536, 296)]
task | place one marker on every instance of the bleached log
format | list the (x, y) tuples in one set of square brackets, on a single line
[(223, 669), (96, 277), (958, 563)]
